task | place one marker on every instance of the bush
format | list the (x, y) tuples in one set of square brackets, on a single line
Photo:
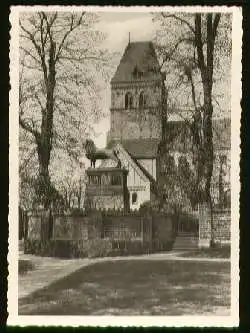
[(69, 248), (32, 246), (157, 206), (76, 212), (24, 266), (92, 248)]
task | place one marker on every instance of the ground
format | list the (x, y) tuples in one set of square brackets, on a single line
[(223, 252), (137, 287)]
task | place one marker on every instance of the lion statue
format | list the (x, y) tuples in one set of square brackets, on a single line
[(93, 154)]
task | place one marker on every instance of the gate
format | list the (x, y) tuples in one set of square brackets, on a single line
[(188, 224)]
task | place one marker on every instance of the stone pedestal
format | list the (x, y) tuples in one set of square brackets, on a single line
[(107, 189)]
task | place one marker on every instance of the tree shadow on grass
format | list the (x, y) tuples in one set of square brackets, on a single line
[(135, 288)]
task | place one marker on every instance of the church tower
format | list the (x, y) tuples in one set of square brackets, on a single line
[(136, 96)]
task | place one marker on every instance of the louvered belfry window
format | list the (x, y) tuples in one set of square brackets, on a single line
[(142, 100), (128, 100)]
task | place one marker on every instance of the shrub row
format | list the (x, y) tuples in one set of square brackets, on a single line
[(92, 248)]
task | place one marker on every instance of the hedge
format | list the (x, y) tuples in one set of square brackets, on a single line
[(92, 248)]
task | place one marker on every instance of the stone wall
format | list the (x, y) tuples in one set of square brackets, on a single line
[(221, 224), (108, 201), (70, 227), (151, 232)]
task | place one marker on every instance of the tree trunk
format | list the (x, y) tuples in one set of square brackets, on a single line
[(205, 144), (44, 142), (208, 157), (43, 188)]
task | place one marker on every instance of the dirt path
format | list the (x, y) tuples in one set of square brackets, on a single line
[(47, 270)]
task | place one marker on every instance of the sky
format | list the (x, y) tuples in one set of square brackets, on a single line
[(118, 25)]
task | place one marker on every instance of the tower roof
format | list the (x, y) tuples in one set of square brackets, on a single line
[(139, 62)]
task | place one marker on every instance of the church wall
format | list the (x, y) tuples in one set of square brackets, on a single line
[(135, 183), (127, 125)]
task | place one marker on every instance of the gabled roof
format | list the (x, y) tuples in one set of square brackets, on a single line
[(140, 148), (137, 165), (118, 146), (139, 62), (153, 187)]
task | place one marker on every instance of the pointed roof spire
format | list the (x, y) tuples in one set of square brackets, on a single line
[(141, 55)]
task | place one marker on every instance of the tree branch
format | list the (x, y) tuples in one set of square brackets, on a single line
[(215, 24), (170, 54), (31, 37), (71, 28), (179, 19), (80, 60), (30, 54), (198, 42), (189, 75)]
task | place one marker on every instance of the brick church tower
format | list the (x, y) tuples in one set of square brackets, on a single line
[(136, 95)]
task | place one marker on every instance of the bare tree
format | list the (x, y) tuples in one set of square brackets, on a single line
[(55, 86), (193, 54)]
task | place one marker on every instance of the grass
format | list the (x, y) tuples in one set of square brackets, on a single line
[(222, 252), (24, 266), (136, 288)]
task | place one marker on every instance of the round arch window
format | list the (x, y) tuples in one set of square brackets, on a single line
[(134, 198), (142, 100)]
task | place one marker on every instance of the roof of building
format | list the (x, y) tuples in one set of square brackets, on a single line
[(140, 148), (147, 174), (139, 62)]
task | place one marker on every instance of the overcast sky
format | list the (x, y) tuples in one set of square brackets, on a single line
[(118, 25)]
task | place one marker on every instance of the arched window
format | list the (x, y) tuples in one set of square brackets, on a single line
[(142, 100), (128, 100), (137, 73), (134, 198)]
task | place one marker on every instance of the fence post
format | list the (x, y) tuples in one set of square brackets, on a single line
[(142, 231), (150, 232)]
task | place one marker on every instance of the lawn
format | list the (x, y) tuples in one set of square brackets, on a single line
[(136, 287), (24, 266)]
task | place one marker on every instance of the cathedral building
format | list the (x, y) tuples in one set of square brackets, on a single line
[(136, 131)]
